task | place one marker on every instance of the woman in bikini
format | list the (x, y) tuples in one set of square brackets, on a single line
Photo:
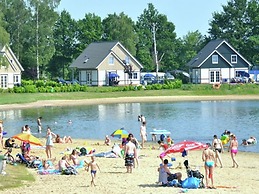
[(218, 147), (209, 158), (233, 150), (65, 139), (74, 157)]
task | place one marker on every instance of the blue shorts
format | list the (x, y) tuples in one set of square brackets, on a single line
[(93, 171), (209, 163)]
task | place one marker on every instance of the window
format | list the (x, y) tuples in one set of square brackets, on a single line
[(111, 60), (233, 58), (214, 76), (3, 81), (127, 60), (135, 76), (215, 59), (16, 79)]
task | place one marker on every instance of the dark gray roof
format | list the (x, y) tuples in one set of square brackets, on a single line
[(93, 55), (204, 53)]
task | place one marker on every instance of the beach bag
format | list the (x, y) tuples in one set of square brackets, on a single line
[(69, 171), (195, 173), (191, 183)]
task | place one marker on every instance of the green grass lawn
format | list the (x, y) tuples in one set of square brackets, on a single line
[(16, 176), (104, 92)]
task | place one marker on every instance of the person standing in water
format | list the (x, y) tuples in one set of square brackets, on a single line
[(143, 133), (39, 124)]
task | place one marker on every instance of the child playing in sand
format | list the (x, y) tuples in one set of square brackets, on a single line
[(93, 165)]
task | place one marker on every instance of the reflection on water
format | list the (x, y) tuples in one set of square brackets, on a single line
[(186, 120)]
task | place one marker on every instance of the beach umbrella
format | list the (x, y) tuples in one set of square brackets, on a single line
[(26, 137), (120, 133), (185, 146), (113, 75)]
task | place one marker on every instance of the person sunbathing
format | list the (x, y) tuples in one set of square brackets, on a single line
[(65, 139)]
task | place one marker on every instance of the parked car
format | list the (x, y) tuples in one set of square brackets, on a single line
[(169, 76), (62, 81), (74, 81)]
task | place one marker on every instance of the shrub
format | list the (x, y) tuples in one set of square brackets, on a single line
[(148, 87), (27, 82), (76, 87), (84, 88), (156, 86), (39, 83), (18, 89), (42, 89), (30, 89)]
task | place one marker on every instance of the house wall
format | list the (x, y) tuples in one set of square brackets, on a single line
[(203, 75), (10, 75), (223, 71), (104, 68), (227, 52), (221, 63)]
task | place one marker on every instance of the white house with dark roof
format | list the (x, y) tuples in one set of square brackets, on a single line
[(10, 68), (217, 62), (107, 63)]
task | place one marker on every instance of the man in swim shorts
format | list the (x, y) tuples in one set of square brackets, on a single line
[(209, 159), (130, 154)]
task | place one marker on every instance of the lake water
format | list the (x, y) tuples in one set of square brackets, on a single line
[(185, 120)]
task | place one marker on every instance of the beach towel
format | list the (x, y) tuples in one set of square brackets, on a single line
[(48, 171), (80, 165)]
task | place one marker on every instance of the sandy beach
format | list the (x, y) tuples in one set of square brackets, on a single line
[(113, 177), (127, 100)]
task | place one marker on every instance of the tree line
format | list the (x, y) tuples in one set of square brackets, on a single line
[(46, 41)]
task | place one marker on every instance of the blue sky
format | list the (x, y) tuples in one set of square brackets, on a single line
[(187, 15)]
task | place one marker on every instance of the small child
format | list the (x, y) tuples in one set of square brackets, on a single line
[(93, 165)]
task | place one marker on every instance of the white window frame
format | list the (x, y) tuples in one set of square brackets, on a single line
[(127, 60), (135, 75), (215, 59), (3, 80), (16, 79), (233, 58), (111, 60)]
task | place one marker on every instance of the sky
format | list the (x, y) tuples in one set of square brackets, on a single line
[(186, 15)]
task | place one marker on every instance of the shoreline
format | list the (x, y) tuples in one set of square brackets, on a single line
[(147, 99)]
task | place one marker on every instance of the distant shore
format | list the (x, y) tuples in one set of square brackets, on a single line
[(44, 103)]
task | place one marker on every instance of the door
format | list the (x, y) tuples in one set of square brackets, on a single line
[(214, 77), (88, 78), (3, 81)]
